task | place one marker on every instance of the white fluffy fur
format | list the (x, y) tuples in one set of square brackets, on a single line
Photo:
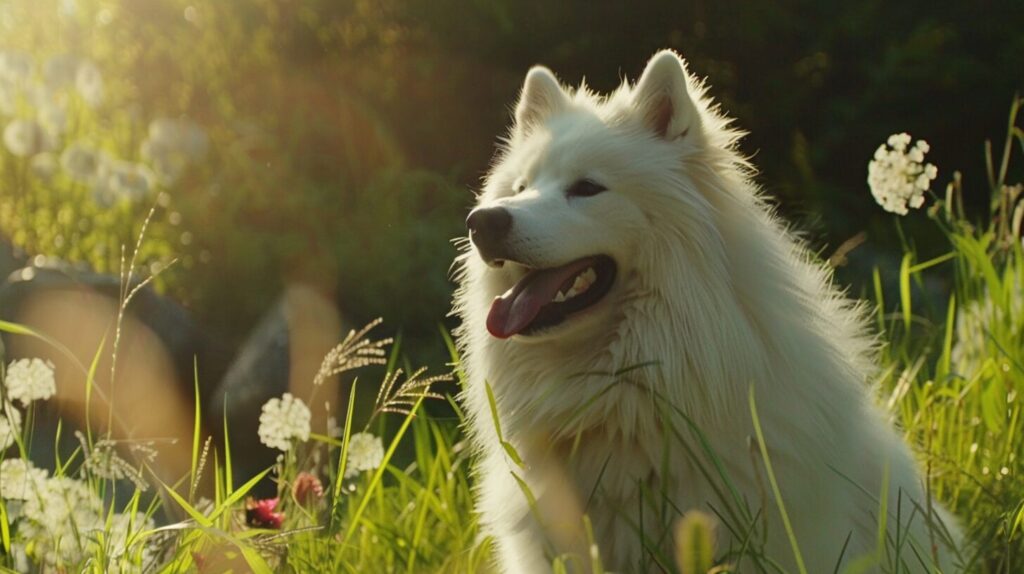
[(713, 297)]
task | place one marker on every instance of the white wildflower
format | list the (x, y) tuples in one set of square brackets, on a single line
[(122, 180), (44, 165), (24, 138), (283, 420), (10, 425), (28, 380), (19, 479), (898, 176), (89, 83), (81, 162), (365, 452), (61, 519)]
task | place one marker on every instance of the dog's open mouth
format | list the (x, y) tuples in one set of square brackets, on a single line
[(546, 297)]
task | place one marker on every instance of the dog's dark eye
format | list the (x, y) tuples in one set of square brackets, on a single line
[(585, 188), (519, 186)]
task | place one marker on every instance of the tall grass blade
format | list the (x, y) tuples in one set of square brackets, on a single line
[(775, 485)]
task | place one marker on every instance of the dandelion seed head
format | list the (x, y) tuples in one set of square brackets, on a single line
[(81, 162), (24, 138)]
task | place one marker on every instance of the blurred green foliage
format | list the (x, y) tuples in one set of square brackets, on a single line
[(344, 135)]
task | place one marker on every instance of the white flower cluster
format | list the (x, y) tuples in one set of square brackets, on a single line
[(284, 420), (19, 479), (898, 176), (59, 519), (169, 148), (29, 380), (365, 452), (25, 380)]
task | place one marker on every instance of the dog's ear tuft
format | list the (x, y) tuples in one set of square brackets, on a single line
[(662, 97), (542, 95)]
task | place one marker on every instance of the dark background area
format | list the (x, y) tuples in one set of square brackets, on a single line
[(818, 85)]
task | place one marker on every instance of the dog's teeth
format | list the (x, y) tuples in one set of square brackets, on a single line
[(583, 281), (580, 284)]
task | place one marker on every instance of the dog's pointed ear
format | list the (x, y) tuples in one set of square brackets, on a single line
[(542, 95), (663, 99)]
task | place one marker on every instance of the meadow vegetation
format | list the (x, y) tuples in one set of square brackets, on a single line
[(212, 169)]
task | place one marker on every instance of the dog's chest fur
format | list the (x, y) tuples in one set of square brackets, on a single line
[(614, 456)]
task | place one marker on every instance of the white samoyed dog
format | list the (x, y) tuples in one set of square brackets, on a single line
[(626, 296)]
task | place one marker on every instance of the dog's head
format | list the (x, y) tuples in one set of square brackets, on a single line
[(573, 198)]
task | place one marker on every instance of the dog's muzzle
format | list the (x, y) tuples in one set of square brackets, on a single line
[(489, 229)]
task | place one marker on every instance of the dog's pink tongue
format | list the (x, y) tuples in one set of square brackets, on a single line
[(518, 307)]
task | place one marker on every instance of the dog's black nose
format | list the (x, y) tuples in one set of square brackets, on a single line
[(488, 228)]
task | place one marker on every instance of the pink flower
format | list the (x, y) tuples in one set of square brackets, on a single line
[(260, 513)]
